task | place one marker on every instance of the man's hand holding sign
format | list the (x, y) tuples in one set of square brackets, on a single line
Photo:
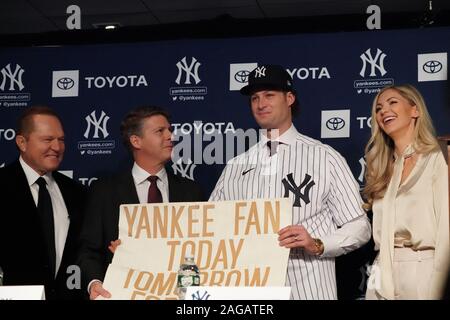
[(235, 243)]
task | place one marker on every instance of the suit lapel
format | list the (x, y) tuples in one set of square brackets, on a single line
[(24, 196), (28, 210), (174, 191), (126, 189), (126, 193)]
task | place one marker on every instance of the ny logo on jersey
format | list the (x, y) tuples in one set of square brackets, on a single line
[(290, 186)]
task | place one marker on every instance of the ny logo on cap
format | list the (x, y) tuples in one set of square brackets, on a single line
[(260, 72)]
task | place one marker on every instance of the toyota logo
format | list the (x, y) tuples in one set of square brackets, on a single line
[(65, 83), (432, 66), (242, 76), (335, 123)]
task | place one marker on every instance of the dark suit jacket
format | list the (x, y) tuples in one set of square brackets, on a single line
[(23, 253), (102, 218)]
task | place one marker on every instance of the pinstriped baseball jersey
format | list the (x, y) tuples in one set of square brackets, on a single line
[(324, 194)]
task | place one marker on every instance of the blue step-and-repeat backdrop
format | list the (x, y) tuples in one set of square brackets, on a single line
[(197, 81)]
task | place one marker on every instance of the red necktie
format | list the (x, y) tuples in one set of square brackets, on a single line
[(154, 195)]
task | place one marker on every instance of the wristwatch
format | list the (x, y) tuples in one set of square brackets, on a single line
[(319, 246)]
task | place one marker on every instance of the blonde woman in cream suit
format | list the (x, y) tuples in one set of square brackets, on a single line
[(407, 190)]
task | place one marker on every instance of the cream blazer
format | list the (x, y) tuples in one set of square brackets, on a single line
[(414, 214)]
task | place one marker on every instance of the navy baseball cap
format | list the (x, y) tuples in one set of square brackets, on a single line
[(268, 77)]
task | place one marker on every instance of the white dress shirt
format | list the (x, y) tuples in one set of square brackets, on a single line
[(60, 213), (142, 184)]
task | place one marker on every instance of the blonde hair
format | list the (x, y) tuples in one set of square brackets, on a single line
[(380, 148)]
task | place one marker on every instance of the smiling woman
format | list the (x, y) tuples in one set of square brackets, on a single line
[(407, 190), (396, 116)]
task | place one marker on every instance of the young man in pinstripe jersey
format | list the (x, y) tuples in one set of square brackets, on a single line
[(327, 215)]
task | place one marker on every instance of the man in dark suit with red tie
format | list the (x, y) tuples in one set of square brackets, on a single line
[(146, 132), (41, 210)]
